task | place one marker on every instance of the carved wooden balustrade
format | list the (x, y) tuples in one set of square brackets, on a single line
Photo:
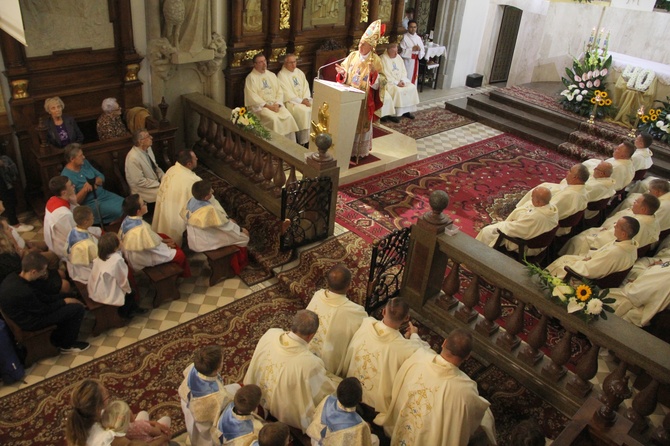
[(431, 296), (251, 164)]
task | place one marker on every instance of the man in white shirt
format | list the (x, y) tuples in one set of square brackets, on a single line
[(264, 96), (401, 95), (411, 50), (297, 97), (142, 172)]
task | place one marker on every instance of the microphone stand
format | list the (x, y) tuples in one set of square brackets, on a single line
[(318, 72)]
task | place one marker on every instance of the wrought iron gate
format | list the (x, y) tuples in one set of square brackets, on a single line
[(306, 205)]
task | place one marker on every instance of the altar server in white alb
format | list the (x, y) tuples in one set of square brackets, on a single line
[(82, 245), (264, 96), (297, 97), (411, 50), (401, 95)]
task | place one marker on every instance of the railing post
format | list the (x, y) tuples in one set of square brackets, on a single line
[(509, 339), (451, 286), (587, 367), (492, 311), (644, 404)]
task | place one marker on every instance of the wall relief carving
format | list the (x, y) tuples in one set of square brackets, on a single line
[(253, 16)]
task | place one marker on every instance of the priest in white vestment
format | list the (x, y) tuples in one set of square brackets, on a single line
[(264, 96), (660, 189), (622, 165), (643, 211), (599, 186), (617, 255), (297, 97), (434, 402), (411, 50), (401, 94), (339, 319), (642, 156), (377, 351), (525, 222), (293, 380), (645, 291)]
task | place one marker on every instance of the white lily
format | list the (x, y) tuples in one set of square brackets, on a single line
[(561, 291), (574, 305)]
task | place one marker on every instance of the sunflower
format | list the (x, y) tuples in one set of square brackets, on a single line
[(603, 94), (242, 111), (608, 102), (644, 119), (601, 102), (593, 100), (653, 117), (597, 92), (583, 292)]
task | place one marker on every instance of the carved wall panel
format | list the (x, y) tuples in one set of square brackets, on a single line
[(324, 12), (253, 16)]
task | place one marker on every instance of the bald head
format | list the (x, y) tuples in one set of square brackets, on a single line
[(457, 346), (541, 196), (603, 170)]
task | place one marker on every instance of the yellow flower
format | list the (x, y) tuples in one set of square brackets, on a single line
[(658, 110), (603, 94), (644, 119), (654, 117), (597, 92), (583, 292), (601, 102), (242, 110), (593, 100), (608, 102)]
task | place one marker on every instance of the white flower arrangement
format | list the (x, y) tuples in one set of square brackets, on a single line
[(249, 122), (585, 81)]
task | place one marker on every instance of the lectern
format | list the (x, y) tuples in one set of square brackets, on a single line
[(344, 104)]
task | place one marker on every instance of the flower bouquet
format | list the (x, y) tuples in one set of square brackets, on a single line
[(587, 300), (249, 122), (585, 84), (657, 122)]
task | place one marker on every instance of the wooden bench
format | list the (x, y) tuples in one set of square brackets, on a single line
[(163, 278), (219, 263), (37, 343), (106, 316)]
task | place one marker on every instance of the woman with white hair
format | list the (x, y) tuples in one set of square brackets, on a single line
[(61, 129), (109, 123)]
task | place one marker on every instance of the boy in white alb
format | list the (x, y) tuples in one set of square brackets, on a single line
[(82, 246)]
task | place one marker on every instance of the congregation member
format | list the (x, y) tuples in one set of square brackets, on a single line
[(116, 420), (339, 319), (411, 50), (362, 69), (142, 246), (617, 255), (173, 194), (238, 425), (642, 210), (108, 282), (378, 349), (88, 182), (622, 165), (263, 95), (209, 227), (203, 394), (109, 124), (297, 97), (525, 222), (434, 402), (142, 172), (33, 310), (293, 379), (569, 197), (401, 94), (82, 245), (336, 422), (644, 292), (61, 129), (660, 189), (599, 186)]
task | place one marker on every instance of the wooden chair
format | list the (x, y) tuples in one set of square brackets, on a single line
[(571, 221), (37, 343), (106, 316), (642, 251), (598, 220), (163, 279), (541, 241), (219, 263), (612, 280), (639, 175)]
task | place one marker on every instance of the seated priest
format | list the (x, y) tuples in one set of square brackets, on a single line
[(525, 222), (660, 189), (642, 156), (617, 255), (264, 96), (208, 227), (142, 246), (643, 211), (401, 96), (622, 165), (599, 186), (644, 292), (297, 97)]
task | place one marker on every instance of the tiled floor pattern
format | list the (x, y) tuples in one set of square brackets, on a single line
[(198, 298)]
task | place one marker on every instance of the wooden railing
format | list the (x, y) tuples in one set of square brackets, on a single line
[(251, 164), (430, 294)]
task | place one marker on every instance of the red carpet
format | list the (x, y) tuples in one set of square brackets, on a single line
[(429, 122), (484, 181)]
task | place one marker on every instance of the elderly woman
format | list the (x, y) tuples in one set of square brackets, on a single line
[(61, 129), (109, 123), (88, 183)]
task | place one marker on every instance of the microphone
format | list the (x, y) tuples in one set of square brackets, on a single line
[(318, 72)]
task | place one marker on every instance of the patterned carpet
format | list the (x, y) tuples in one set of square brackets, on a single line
[(536, 98), (429, 122), (484, 181)]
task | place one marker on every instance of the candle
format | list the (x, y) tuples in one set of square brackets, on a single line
[(593, 35), (607, 39), (431, 35), (641, 111)]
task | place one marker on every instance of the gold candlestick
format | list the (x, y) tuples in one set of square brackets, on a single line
[(640, 113), (593, 112)]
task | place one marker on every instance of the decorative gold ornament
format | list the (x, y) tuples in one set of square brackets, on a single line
[(131, 72), (383, 40), (237, 59), (324, 119), (284, 14), (364, 11), (399, 38), (19, 88), (277, 53), (354, 46), (298, 49), (249, 55)]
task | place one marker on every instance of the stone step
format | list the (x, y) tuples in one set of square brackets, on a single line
[(520, 104), (578, 152), (462, 107), (595, 144)]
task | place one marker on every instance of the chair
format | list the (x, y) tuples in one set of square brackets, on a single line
[(106, 316), (571, 222), (37, 343), (642, 251), (612, 280), (598, 220), (219, 263), (639, 175), (163, 278), (616, 199), (541, 241)]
